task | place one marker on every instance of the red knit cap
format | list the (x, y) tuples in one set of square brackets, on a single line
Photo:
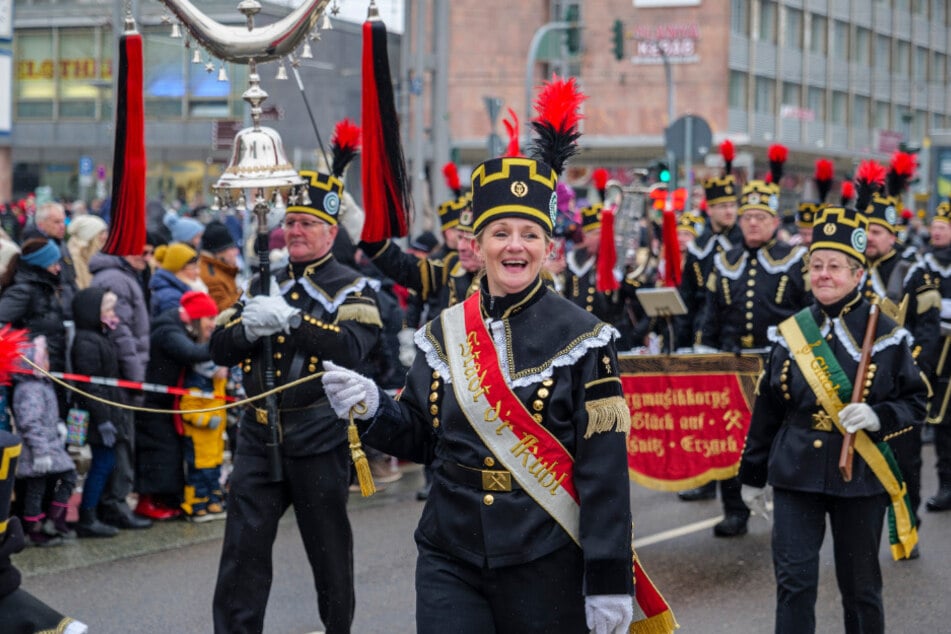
[(198, 305)]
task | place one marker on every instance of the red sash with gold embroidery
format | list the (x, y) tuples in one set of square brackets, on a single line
[(536, 459)]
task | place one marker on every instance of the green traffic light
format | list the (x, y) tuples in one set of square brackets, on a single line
[(664, 175), (617, 30)]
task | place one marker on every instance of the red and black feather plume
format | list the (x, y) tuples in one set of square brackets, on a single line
[(511, 129), (869, 179), (824, 175), (728, 152), (846, 193), (900, 171), (13, 344), (556, 125), (344, 145), (777, 155), (600, 179), (451, 173)]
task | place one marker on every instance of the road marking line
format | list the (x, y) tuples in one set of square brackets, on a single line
[(676, 532)]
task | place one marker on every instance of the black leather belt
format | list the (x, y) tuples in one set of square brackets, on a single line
[(481, 479)]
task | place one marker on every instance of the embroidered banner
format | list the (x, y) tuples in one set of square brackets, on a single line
[(689, 416)]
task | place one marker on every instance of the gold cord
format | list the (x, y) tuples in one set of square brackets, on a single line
[(152, 410)]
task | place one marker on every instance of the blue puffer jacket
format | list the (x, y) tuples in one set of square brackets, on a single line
[(167, 290)]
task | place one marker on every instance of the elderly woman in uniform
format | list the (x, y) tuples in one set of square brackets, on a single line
[(797, 431), (515, 399)]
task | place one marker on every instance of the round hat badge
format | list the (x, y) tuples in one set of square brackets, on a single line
[(859, 239), (332, 203), (519, 189), (753, 199), (829, 229)]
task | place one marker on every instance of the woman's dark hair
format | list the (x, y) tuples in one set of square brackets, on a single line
[(32, 245)]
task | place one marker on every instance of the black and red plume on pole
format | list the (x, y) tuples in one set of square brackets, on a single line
[(901, 170), (127, 225), (604, 279), (868, 179), (511, 129), (824, 175), (451, 173), (777, 155), (558, 106), (344, 146), (386, 199), (728, 152)]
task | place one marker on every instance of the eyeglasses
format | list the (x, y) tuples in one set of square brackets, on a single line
[(832, 268), (306, 225), (148, 252)]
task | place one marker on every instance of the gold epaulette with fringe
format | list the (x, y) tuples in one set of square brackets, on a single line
[(607, 414), (360, 312)]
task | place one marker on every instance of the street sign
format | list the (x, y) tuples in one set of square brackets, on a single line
[(86, 167), (688, 138)]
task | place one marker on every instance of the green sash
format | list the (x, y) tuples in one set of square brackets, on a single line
[(833, 389)]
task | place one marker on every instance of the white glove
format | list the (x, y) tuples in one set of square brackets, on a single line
[(757, 499), (345, 388), (609, 613), (946, 309), (267, 315), (701, 349), (42, 464), (856, 416)]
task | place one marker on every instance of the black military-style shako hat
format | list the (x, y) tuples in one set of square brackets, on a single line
[(721, 189), (943, 212), (449, 211), (591, 217), (883, 211), (841, 229), (761, 196), (806, 214), (514, 186), (325, 191)]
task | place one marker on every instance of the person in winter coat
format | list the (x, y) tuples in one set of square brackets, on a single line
[(87, 235), (33, 302), (43, 460), (218, 265), (176, 275), (178, 343), (93, 354), (123, 276)]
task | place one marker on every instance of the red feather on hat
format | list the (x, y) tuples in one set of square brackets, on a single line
[(13, 343), (777, 155), (600, 179), (344, 145), (728, 152), (869, 179), (847, 193), (451, 174), (824, 175), (511, 129), (558, 105)]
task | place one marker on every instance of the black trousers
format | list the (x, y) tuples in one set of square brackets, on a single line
[(541, 596), (317, 486), (799, 527), (942, 450)]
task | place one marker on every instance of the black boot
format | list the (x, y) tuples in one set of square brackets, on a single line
[(90, 526), (731, 526), (121, 516), (55, 524), (706, 492), (940, 501), (35, 535)]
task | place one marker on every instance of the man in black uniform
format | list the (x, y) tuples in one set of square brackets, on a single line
[(752, 287), (938, 264), (318, 310), (900, 278)]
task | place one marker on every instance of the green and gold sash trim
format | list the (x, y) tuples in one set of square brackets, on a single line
[(833, 389)]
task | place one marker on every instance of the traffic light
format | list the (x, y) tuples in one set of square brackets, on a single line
[(663, 172), (573, 34), (618, 38)]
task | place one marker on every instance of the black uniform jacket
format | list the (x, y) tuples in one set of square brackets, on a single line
[(440, 276), (897, 276), (693, 286), (750, 290), (788, 445), (938, 263), (560, 361), (341, 322)]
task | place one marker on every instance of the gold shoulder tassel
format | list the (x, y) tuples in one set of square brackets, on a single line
[(607, 414), (359, 457), (362, 313)]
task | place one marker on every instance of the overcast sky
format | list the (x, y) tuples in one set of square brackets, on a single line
[(356, 11)]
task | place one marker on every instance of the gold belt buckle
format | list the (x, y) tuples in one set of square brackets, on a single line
[(496, 481), (260, 415), (821, 421)]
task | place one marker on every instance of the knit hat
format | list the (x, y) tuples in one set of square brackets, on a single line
[(85, 228), (43, 257), (197, 305), (183, 229), (216, 237), (175, 256)]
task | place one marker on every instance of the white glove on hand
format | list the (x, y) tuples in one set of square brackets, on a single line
[(750, 493), (267, 315), (946, 309), (609, 613), (42, 464), (345, 388), (856, 416), (757, 500)]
